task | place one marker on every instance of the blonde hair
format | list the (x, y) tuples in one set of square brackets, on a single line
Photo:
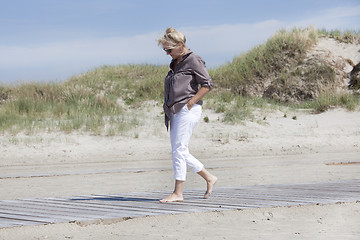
[(172, 38)]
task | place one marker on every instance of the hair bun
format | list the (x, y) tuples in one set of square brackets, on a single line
[(170, 30), (172, 37)]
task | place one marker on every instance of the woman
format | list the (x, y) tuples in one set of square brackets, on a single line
[(182, 108)]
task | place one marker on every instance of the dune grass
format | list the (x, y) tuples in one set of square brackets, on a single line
[(106, 100), (86, 102), (328, 100), (251, 68), (347, 36)]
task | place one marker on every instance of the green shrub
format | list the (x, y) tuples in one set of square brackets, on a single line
[(347, 36), (328, 100), (264, 61)]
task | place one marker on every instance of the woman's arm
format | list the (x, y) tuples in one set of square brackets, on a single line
[(199, 95)]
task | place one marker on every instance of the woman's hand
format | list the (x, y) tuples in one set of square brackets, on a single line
[(189, 104), (199, 95)]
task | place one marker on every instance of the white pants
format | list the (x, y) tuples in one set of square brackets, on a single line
[(181, 127)]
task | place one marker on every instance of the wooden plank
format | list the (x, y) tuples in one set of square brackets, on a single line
[(26, 217), (9, 222), (85, 211), (290, 197), (46, 213), (110, 206), (201, 202), (153, 205), (196, 205), (155, 202), (266, 197), (272, 197), (291, 192)]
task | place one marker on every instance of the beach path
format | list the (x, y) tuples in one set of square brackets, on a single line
[(92, 209)]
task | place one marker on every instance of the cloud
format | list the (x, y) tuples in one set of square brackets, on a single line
[(341, 12), (342, 18), (230, 37), (65, 58), (85, 50), (217, 43)]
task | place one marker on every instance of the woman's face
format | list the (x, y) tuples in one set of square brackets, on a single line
[(174, 52)]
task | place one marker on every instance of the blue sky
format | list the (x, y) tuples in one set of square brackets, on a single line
[(52, 40)]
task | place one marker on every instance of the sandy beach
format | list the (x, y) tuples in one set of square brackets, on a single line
[(272, 150), (70, 168)]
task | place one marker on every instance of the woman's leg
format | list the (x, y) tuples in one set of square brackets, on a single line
[(181, 128), (182, 125), (177, 132), (210, 181), (177, 195)]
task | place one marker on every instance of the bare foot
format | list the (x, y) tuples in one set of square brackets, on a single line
[(210, 186), (172, 198)]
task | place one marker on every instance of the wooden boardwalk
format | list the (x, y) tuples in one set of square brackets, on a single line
[(95, 208)]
